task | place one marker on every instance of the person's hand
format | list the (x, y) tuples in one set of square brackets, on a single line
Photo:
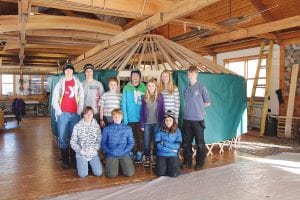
[(143, 129), (102, 123)]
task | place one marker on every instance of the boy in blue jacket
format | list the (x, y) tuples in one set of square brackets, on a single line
[(117, 142)]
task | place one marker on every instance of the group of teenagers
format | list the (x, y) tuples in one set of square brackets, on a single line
[(139, 125)]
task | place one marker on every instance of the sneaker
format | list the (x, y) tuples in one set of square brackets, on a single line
[(138, 157), (146, 162)]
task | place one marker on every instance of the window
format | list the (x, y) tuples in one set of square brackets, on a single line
[(246, 67), (7, 84), (36, 84), (45, 83)]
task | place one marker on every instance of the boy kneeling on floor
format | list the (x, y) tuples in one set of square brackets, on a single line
[(117, 142)]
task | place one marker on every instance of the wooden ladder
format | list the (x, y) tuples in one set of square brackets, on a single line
[(260, 105)]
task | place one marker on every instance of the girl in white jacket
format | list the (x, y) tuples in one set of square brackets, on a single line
[(85, 141)]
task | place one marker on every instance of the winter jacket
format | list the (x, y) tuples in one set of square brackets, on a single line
[(58, 93), (117, 140), (18, 108), (86, 138), (132, 102), (159, 112), (168, 144)]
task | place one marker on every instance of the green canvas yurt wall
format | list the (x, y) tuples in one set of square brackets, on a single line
[(226, 117), (100, 75)]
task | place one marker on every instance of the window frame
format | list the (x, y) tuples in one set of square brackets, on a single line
[(246, 60), (13, 84)]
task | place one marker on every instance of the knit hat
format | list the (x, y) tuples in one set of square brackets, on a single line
[(69, 66), (135, 70), (88, 66), (169, 113)]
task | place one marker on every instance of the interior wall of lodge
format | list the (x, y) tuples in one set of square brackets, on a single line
[(275, 70)]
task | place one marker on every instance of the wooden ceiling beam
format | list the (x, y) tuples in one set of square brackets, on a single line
[(33, 55), (10, 23), (203, 25), (269, 36), (131, 9), (61, 41), (68, 53), (24, 7), (260, 7), (74, 34), (11, 45), (180, 9), (13, 69), (131, 24), (246, 32)]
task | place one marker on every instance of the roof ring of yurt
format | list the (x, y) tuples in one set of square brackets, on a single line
[(151, 52)]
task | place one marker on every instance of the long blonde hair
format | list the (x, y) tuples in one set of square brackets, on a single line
[(152, 97), (169, 86)]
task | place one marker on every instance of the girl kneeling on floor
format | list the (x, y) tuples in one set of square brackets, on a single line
[(168, 141), (85, 141)]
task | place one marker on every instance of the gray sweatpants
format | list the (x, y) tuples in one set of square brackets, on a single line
[(113, 163)]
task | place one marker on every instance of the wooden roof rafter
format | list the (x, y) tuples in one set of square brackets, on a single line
[(131, 9), (23, 10), (151, 50), (245, 32), (9, 23), (178, 10)]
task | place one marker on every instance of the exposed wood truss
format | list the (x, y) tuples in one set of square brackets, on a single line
[(37, 22), (152, 52), (178, 10), (246, 32), (33, 30), (131, 9), (24, 10), (204, 25)]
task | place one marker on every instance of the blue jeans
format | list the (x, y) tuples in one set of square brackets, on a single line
[(83, 166), (149, 134), (65, 124)]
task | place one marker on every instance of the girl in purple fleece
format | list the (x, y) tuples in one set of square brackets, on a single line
[(152, 114)]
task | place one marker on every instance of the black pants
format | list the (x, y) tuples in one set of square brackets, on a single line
[(138, 136), (191, 130), (167, 166)]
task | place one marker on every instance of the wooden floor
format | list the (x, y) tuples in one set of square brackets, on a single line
[(30, 166)]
